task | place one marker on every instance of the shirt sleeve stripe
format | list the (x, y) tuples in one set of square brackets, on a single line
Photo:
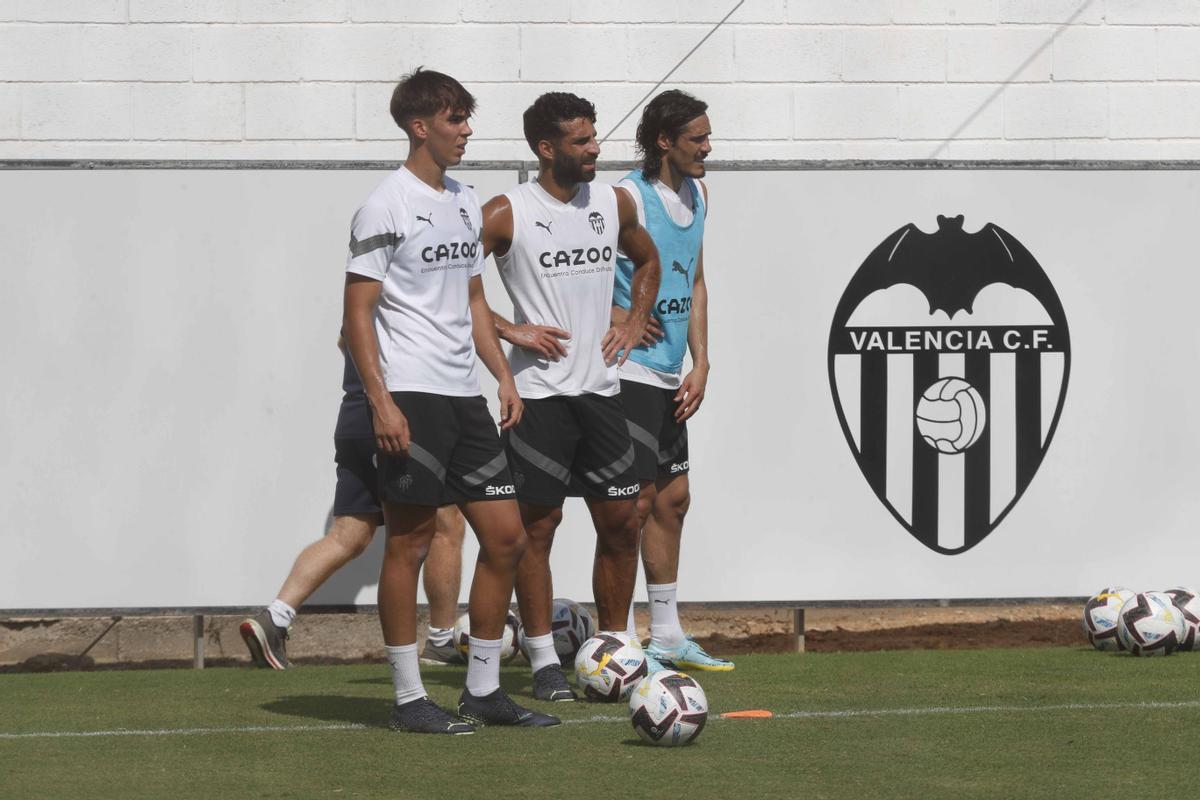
[(372, 243)]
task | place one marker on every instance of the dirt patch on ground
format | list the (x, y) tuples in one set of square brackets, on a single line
[(945, 636), (160, 642)]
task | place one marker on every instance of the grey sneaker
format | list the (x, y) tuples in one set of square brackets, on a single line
[(549, 683), (498, 708), (441, 653), (424, 716), (265, 640)]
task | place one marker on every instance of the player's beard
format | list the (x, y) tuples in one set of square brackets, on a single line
[(569, 173)]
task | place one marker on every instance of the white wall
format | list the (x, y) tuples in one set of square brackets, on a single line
[(785, 78), (171, 386)]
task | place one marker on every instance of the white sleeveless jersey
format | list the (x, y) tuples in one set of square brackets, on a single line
[(423, 245), (559, 271)]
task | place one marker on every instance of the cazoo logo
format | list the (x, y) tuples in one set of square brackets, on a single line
[(550, 259), (949, 355)]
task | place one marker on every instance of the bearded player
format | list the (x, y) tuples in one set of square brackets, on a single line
[(555, 241)]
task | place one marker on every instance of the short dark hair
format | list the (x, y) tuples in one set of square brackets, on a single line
[(424, 92), (543, 117), (668, 113)]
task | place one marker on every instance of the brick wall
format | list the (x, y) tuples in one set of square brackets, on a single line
[(784, 78)]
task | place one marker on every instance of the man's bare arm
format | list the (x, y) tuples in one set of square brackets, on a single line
[(545, 340), (691, 390), (487, 346), (637, 245), (358, 327)]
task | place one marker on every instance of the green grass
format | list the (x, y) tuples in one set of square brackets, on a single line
[(1013, 743)]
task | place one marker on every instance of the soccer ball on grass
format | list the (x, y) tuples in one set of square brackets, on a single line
[(1100, 617), (1149, 624), (608, 667), (668, 708), (508, 639)]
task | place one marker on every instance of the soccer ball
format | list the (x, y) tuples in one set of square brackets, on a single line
[(951, 415), (608, 666), (1189, 605), (1149, 624), (668, 708), (508, 639), (1100, 617), (571, 625)]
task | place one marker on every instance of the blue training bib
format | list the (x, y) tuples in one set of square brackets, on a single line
[(678, 252)]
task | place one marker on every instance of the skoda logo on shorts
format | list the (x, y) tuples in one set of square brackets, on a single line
[(949, 355), (597, 220)]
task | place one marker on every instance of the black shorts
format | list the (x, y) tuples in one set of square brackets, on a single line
[(454, 454), (660, 443), (357, 490), (575, 446)]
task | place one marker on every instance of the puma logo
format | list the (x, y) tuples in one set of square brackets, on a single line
[(545, 225), (684, 271), (428, 219), (482, 660), (664, 602)]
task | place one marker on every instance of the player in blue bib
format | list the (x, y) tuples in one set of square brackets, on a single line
[(658, 398)]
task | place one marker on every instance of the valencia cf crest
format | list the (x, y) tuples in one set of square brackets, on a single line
[(948, 358), (466, 218), (597, 220)]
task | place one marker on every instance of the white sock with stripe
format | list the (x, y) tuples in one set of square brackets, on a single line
[(406, 673), (483, 666), (665, 630)]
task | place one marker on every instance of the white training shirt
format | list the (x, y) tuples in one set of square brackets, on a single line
[(559, 271), (679, 208), (424, 246)]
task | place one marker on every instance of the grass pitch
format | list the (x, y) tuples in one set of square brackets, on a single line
[(1060, 723)]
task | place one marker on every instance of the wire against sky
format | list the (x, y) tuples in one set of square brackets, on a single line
[(638, 104)]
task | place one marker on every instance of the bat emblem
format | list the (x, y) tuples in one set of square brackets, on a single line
[(949, 355)]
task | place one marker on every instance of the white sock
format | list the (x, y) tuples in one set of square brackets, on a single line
[(483, 666), (631, 626), (281, 613), (406, 673), (665, 630), (440, 636), (541, 651)]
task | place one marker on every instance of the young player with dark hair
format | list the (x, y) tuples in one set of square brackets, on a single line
[(672, 203), (415, 319), (356, 515), (555, 241)]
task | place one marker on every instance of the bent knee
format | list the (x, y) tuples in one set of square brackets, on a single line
[(353, 534)]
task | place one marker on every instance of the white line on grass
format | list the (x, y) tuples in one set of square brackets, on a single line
[(916, 712), (596, 718), (184, 731)]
